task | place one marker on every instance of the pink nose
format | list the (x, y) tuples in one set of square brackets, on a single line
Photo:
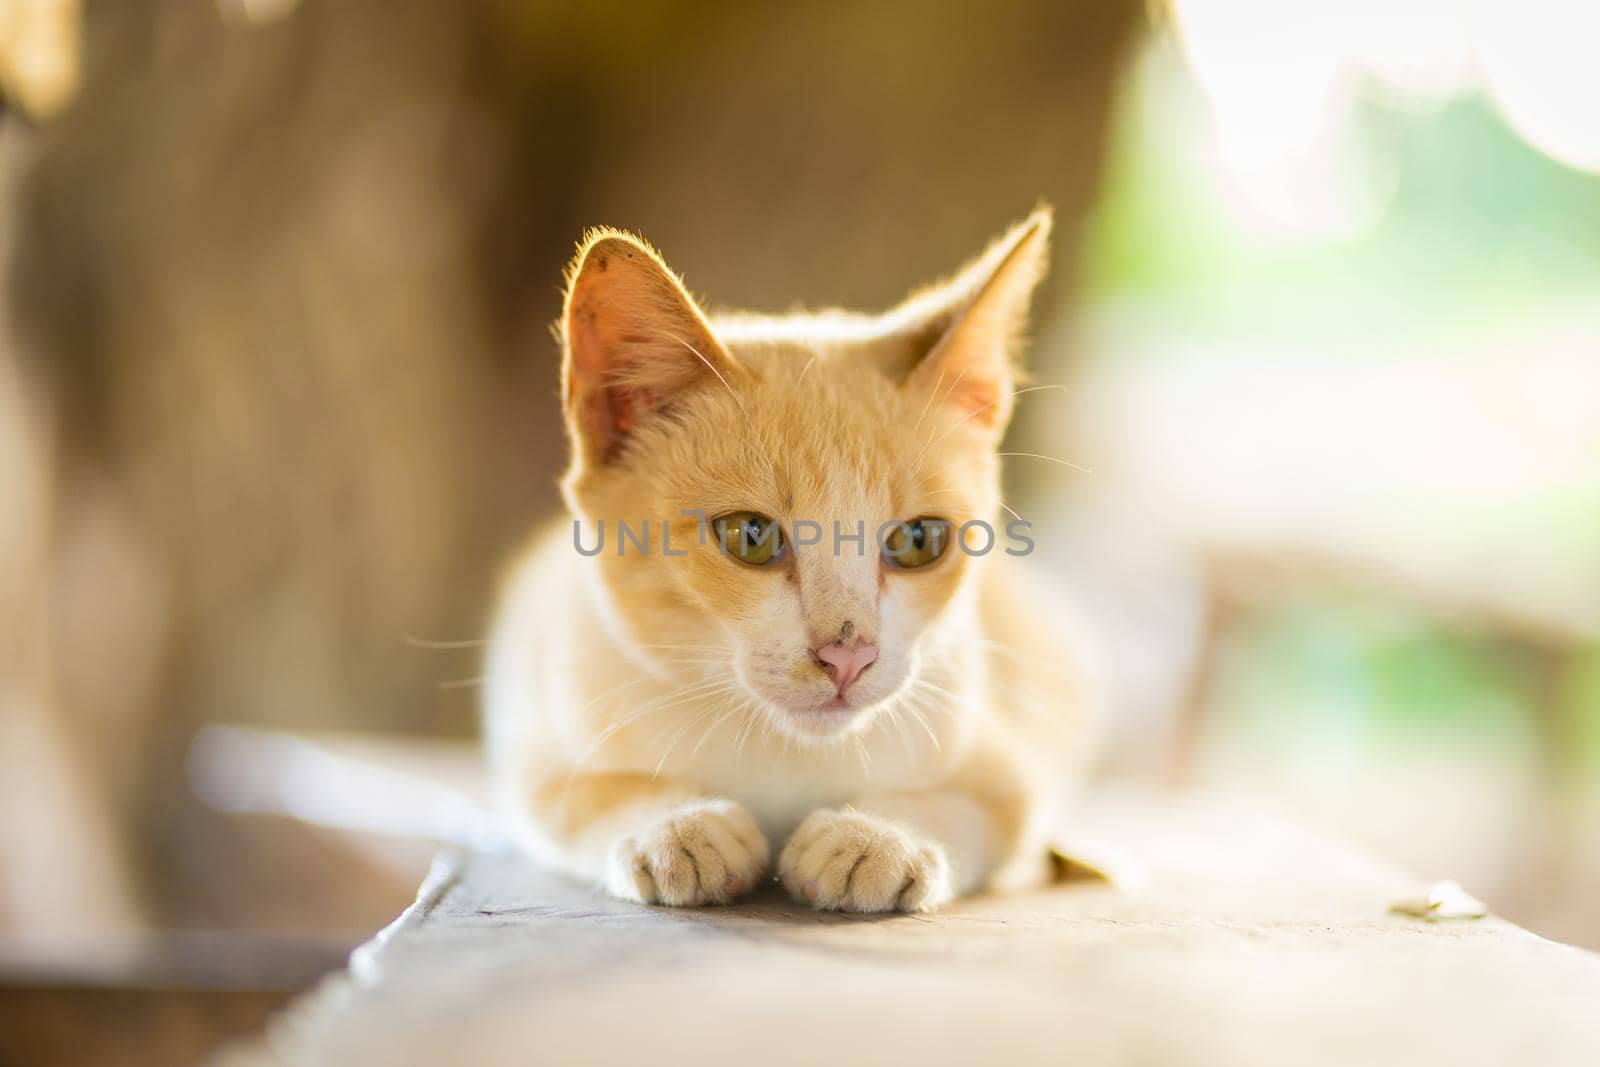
[(844, 663)]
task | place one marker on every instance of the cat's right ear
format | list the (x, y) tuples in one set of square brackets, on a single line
[(633, 339), (965, 332)]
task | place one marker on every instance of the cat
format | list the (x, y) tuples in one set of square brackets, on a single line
[(794, 633)]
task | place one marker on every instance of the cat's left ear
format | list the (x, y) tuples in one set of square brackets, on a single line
[(635, 341), (965, 332)]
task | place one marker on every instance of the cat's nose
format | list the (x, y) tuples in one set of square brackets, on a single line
[(844, 662)]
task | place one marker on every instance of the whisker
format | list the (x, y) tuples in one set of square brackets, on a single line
[(951, 429), (438, 646), (636, 644), (670, 700), (953, 385), (702, 690), (613, 692), (1010, 510), (916, 711), (861, 750), (737, 399), (933, 440), (1064, 462), (724, 717), (594, 747), (1028, 705), (929, 403), (939, 689), (742, 736), (684, 729), (906, 740)]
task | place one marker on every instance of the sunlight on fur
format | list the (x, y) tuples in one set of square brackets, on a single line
[(888, 707)]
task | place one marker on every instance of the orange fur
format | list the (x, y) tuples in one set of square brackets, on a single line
[(655, 720)]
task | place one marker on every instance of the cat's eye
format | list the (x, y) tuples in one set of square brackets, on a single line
[(916, 542), (749, 538)]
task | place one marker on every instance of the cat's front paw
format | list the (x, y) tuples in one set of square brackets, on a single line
[(703, 853), (850, 861)]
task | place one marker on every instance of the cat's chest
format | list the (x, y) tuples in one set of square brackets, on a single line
[(781, 791)]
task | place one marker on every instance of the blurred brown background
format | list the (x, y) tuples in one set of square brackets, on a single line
[(277, 398), (278, 390)]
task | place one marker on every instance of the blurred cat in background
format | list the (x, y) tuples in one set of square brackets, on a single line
[(809, 641)]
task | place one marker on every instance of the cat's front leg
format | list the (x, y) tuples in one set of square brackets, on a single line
[(652, 841), (911, 851)]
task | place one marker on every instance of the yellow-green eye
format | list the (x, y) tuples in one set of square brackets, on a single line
[(916, 542), (749, 538)]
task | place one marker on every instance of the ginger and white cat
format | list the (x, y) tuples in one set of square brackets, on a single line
[(801, 649)]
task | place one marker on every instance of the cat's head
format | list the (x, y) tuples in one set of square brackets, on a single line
[(778, 453)]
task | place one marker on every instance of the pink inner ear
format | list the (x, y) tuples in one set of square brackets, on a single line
[(583, 335), (609, 411), (979, 399), (602, 414)]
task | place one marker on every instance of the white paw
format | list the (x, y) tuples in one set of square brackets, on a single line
[(703, 853), (848, 861)]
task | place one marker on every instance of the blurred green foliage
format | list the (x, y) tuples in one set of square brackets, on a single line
[(1478, 222), (1479, 230)]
